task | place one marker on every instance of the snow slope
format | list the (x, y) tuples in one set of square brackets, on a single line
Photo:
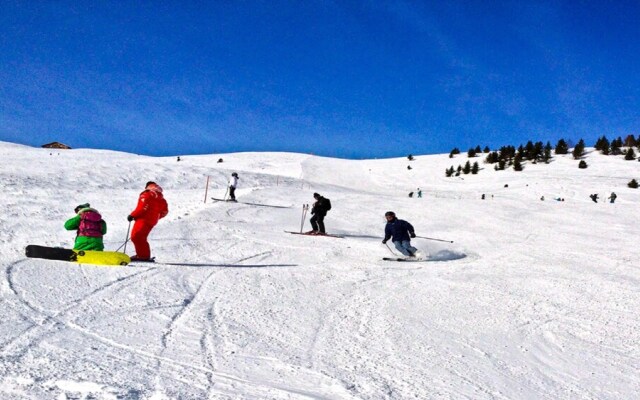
[(534, 299)]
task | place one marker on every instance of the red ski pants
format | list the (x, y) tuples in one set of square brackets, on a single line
[(139, 235)]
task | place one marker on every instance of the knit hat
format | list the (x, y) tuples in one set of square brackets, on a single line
[(316, 195), (80, 207)]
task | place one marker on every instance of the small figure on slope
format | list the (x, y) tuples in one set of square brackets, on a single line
[(90, 227), (319, 210), (402, 232), (594, 197), (613, 197), (151, 207), (233, 184)]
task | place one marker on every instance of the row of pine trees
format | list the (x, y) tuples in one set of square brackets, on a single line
[(509, 156)]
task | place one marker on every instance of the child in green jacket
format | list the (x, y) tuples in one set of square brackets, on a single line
[(90, 226)]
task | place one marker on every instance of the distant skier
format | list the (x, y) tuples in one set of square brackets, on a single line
[(419, 193), (319, 210), (233, 184), (402, 232), (613, 197), (90, 226), (594, 197), (151, 207)]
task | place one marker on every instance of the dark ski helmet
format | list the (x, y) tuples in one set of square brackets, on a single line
[(390, 214), (316, 195), (235, 174)]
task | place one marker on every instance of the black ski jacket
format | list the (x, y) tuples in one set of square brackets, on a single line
[(320, 207), (399, 229)]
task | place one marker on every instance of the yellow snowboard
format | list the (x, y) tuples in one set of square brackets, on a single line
[(112, 258)]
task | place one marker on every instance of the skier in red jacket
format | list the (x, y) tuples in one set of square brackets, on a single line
[(151, 207)]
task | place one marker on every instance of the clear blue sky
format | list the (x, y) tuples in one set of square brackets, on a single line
[(347, 79)]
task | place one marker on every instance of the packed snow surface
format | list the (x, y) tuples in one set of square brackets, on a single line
[(533, 299)]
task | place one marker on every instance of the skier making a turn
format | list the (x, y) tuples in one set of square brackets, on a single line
[(402, 232), (151, 207)]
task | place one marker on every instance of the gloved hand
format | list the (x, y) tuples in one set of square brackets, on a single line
[(130, 218), (412, 234), (384, 241)]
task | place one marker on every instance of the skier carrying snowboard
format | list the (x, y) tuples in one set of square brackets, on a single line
[(90, 227), (151, 207), (319, 211), (402, 232)]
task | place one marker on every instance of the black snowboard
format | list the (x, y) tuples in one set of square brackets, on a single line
[(50, 253)]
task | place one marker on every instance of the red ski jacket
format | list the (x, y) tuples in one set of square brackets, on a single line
[(151, 206)]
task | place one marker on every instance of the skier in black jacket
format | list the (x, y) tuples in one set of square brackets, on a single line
[(319, 211), (402, 232)]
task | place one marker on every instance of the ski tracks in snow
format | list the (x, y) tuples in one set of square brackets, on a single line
[(43, 323)]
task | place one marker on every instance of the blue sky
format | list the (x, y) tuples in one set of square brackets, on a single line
[(344, 79)]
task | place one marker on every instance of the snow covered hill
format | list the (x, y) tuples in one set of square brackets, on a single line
[(534, 299)]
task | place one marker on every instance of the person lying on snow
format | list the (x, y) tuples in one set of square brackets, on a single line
[(90, 228)]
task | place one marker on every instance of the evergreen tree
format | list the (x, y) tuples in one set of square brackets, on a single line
[(529, 151), (546, 154), (478, 149), (603, 145), (492, 158), (475, 168), (538, 151), (630, 141), (562, 147), (615, 148), (486, 149), (517, 164), (449, 172), (467, 168), (631, 155), (582, 164), (578, 151), (471, 153), (501, 165), (633, 184)]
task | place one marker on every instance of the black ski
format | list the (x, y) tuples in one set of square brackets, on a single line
[(403, 259), (311, 234), (247, 203), (149, 261)]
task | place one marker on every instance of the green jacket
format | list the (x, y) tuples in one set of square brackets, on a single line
[(86, 242)]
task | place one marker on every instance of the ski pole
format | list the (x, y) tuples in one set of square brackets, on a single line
[(305, 207), (126, 240), (438, 240), (391, 251), (225, 194)]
